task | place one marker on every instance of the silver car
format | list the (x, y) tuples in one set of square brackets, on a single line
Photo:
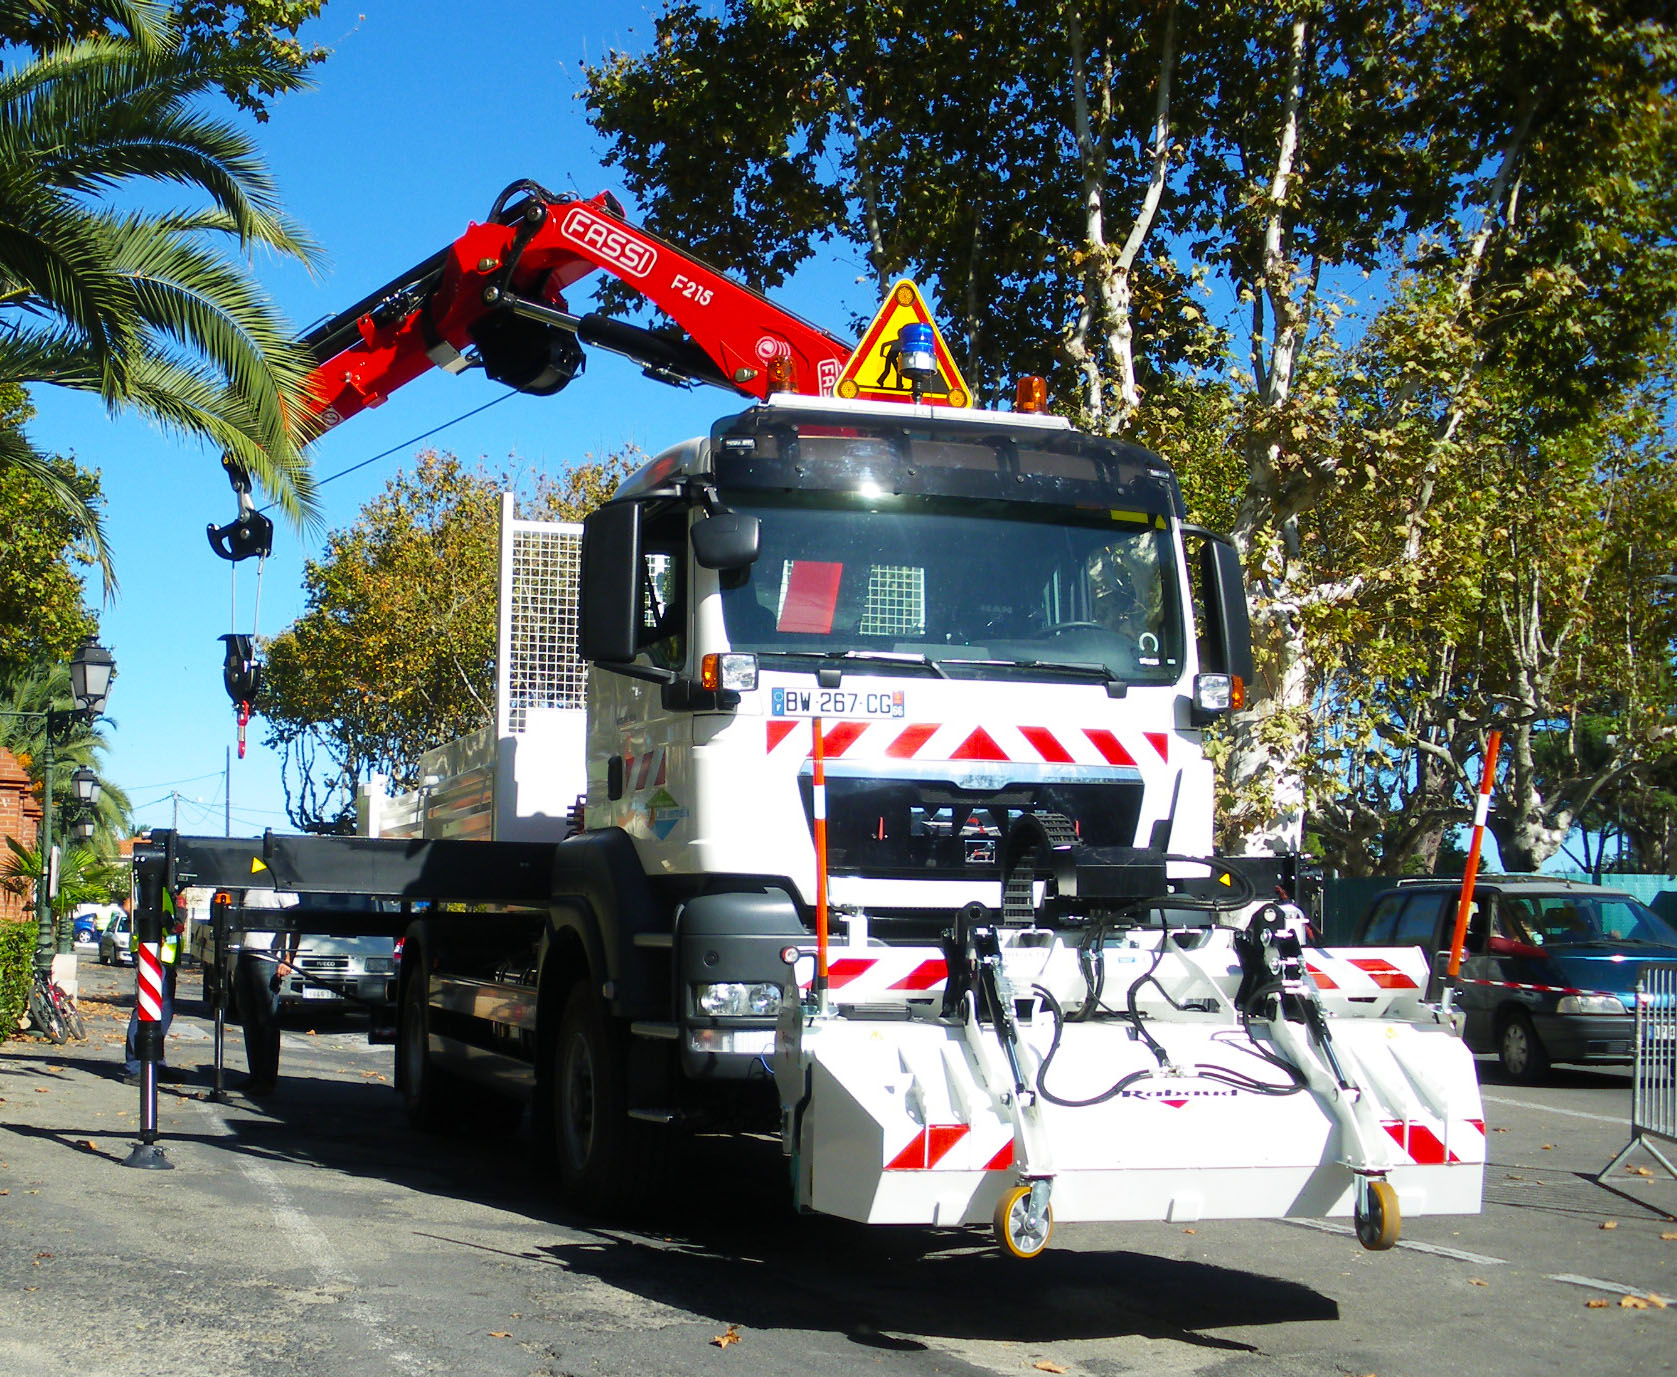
[(116, 946)]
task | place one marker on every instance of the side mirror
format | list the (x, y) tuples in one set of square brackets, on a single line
[(608, 614), (1228, 626), (727, 541)]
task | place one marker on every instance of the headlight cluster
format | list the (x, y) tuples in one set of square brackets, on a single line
[(735, 1000), (380, 965), (1590, 1004)]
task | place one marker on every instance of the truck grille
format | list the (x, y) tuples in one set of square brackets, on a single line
[(923, 829)]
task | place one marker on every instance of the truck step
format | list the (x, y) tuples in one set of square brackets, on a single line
[(657, 941), (661, 1032)]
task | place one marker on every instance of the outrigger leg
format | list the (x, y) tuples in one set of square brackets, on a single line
[(1278, 990), (1024, 1216)]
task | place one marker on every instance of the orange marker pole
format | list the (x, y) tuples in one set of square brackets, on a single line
[(819, 802), (1481, 812)]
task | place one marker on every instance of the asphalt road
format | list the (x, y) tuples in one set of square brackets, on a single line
[(313, 1233)]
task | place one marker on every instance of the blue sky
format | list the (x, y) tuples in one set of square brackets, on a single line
[(424, 111)]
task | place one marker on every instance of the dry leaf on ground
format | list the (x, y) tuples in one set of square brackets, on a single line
[(1633, 1303), (1046, 1366), (1609, 1223), (500, 1334), (731, 1337), (1595, 1304), (1475, 1281)]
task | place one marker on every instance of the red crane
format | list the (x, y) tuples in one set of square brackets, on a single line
[(499, 290)]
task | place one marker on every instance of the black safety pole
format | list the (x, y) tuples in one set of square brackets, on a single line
[(218, 1005), (151, 868)]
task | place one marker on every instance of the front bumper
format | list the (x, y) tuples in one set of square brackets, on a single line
[(1592, 1039)]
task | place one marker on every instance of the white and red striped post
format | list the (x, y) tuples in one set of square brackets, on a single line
[(1481, 813), (150, 869), (819, 809)]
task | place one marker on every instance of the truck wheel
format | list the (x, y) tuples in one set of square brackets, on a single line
[(432, 1097), (1521, 1051), (601, 1152)]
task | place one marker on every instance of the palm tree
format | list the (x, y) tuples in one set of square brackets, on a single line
[(87, 874), (148, 308)]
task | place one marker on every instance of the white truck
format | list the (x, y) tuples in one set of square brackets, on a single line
[(897, 827)]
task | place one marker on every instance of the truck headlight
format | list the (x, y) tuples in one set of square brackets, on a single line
[(1590, 1004), (380, 965), (732, 999)]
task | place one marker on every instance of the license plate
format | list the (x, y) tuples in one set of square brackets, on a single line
[(316, 992), (854, 704)]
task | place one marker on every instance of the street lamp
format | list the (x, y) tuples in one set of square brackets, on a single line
[(85, 784), (91, 671)]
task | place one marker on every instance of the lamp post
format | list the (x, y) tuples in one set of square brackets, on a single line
[(91, 672)]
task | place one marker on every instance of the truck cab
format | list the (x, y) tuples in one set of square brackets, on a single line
[(982, 615)]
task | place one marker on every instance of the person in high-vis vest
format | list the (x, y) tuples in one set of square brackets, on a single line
[(169, 952)]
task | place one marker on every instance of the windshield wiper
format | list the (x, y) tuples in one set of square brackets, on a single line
[(911, 658), (1088, 668)]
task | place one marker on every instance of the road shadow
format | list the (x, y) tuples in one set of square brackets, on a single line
[(1560, 1077), (719, 1237)]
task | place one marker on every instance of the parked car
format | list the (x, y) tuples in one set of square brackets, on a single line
[(89, 922), (115, 947), (1549, 967)]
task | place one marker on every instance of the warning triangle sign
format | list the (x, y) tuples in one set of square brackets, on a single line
[(883, 370)]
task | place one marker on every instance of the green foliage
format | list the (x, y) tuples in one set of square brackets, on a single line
[(17, 971), (212, 29), (43, 547), (1438, 418), (395, 653), (156, 310), (86, 875), (930, 141)]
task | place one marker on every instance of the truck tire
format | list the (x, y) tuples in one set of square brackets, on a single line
[(602, 1154), (435, 1100)]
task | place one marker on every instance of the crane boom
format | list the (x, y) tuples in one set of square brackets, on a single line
[(499, 290)]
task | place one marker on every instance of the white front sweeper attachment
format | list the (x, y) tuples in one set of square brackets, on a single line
[(1181, 1074)]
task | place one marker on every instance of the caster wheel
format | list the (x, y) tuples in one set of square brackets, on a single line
[(1378, 1227), (1016, 1233)]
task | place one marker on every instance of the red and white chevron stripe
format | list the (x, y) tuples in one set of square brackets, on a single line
[(1366, 975), (148, 983), (1422, 1145), (897, 740), (952, 1147), (856, 979)]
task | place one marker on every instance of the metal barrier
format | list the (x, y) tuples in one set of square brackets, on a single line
[(1653, 1096)]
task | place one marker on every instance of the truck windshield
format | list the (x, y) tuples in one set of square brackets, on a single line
[(905, 581)]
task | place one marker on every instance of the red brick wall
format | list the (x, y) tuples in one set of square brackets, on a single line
[(20, 817)]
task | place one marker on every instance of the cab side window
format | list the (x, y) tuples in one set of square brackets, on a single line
[(662, 635)]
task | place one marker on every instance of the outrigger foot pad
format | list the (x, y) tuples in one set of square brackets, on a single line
[(149, 1157)]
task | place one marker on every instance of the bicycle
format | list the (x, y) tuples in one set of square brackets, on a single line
[(53, 1011)]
